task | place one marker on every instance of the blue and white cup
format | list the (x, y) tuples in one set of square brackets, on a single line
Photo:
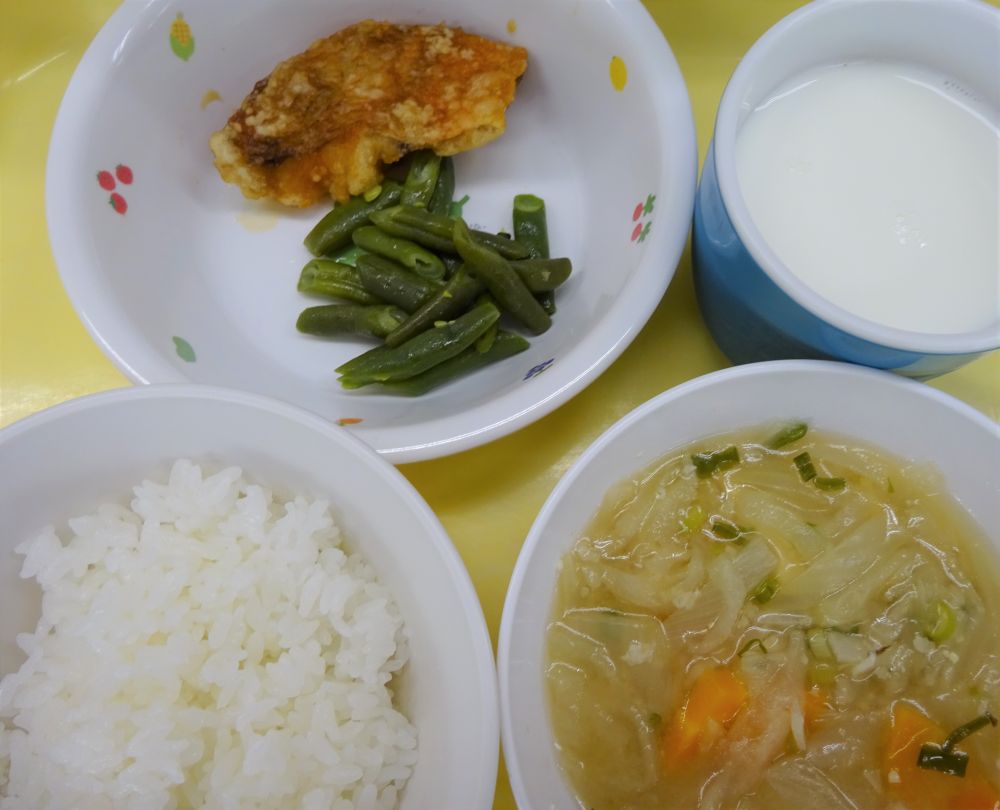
[(754, 306)]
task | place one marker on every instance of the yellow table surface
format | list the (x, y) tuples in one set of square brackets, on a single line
[(487, 498)]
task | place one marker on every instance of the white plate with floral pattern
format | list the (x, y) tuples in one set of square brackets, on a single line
[(180, 279)]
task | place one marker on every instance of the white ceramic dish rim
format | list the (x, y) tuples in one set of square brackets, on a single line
[(599, 348), (567, 482), (980, 340), (395, 480)]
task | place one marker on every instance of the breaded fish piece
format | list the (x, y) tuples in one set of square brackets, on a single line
[(326, 121)]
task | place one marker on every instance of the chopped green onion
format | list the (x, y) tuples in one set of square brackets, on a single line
[(818, 645), (764, 592), (694, 518), (853, 630), (803, 463), (750, 645), (942, 626), (943, 758), (726, 530), (933, 758), (787, 435), (708, 463), (830, 483), (967, 729), (823, 673)]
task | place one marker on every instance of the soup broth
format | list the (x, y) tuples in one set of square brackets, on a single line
[(777, 618)]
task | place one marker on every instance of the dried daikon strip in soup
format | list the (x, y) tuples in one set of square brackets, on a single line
[(777, 619)]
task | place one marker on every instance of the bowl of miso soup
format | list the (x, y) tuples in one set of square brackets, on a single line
[(774, 587)]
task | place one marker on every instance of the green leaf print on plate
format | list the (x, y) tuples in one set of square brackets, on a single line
[(184, 350)]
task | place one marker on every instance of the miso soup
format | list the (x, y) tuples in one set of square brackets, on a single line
[(778, 619)]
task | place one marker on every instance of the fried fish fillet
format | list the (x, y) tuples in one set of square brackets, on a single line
[(326, 121)]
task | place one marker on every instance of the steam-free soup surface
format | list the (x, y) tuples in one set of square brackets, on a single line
[(778, 619)]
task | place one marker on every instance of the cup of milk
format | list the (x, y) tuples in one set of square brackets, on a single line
[(849, 205)]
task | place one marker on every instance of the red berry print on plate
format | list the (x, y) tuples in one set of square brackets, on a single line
[(641, 211), (107, 181)]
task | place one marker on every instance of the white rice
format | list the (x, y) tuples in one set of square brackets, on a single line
[(209, 647)]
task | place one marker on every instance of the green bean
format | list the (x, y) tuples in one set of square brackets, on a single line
[(506, 345), (421, 179), (348, 255), (503, 283), (334, 280), (453, 299), (486, 340), (406, 223), (334, 230), (543, 275), (393, 283), (444, 191), (788, 434), (417, 355), (434, 231), (350, 319), (531, 228), (409, 254), (706, 464)]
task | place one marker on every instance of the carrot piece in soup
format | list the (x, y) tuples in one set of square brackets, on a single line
[(815, 705), (716, 697), (922, 789)]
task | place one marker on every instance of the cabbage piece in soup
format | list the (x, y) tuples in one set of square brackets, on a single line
[(778, 619)]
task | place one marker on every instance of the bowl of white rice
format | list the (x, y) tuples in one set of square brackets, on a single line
[(212, 599)]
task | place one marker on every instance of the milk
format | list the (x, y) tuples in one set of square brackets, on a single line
[(876, 184)]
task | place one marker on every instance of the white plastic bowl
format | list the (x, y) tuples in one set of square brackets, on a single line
[(64, 461), (897, 415), (194, 283)]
